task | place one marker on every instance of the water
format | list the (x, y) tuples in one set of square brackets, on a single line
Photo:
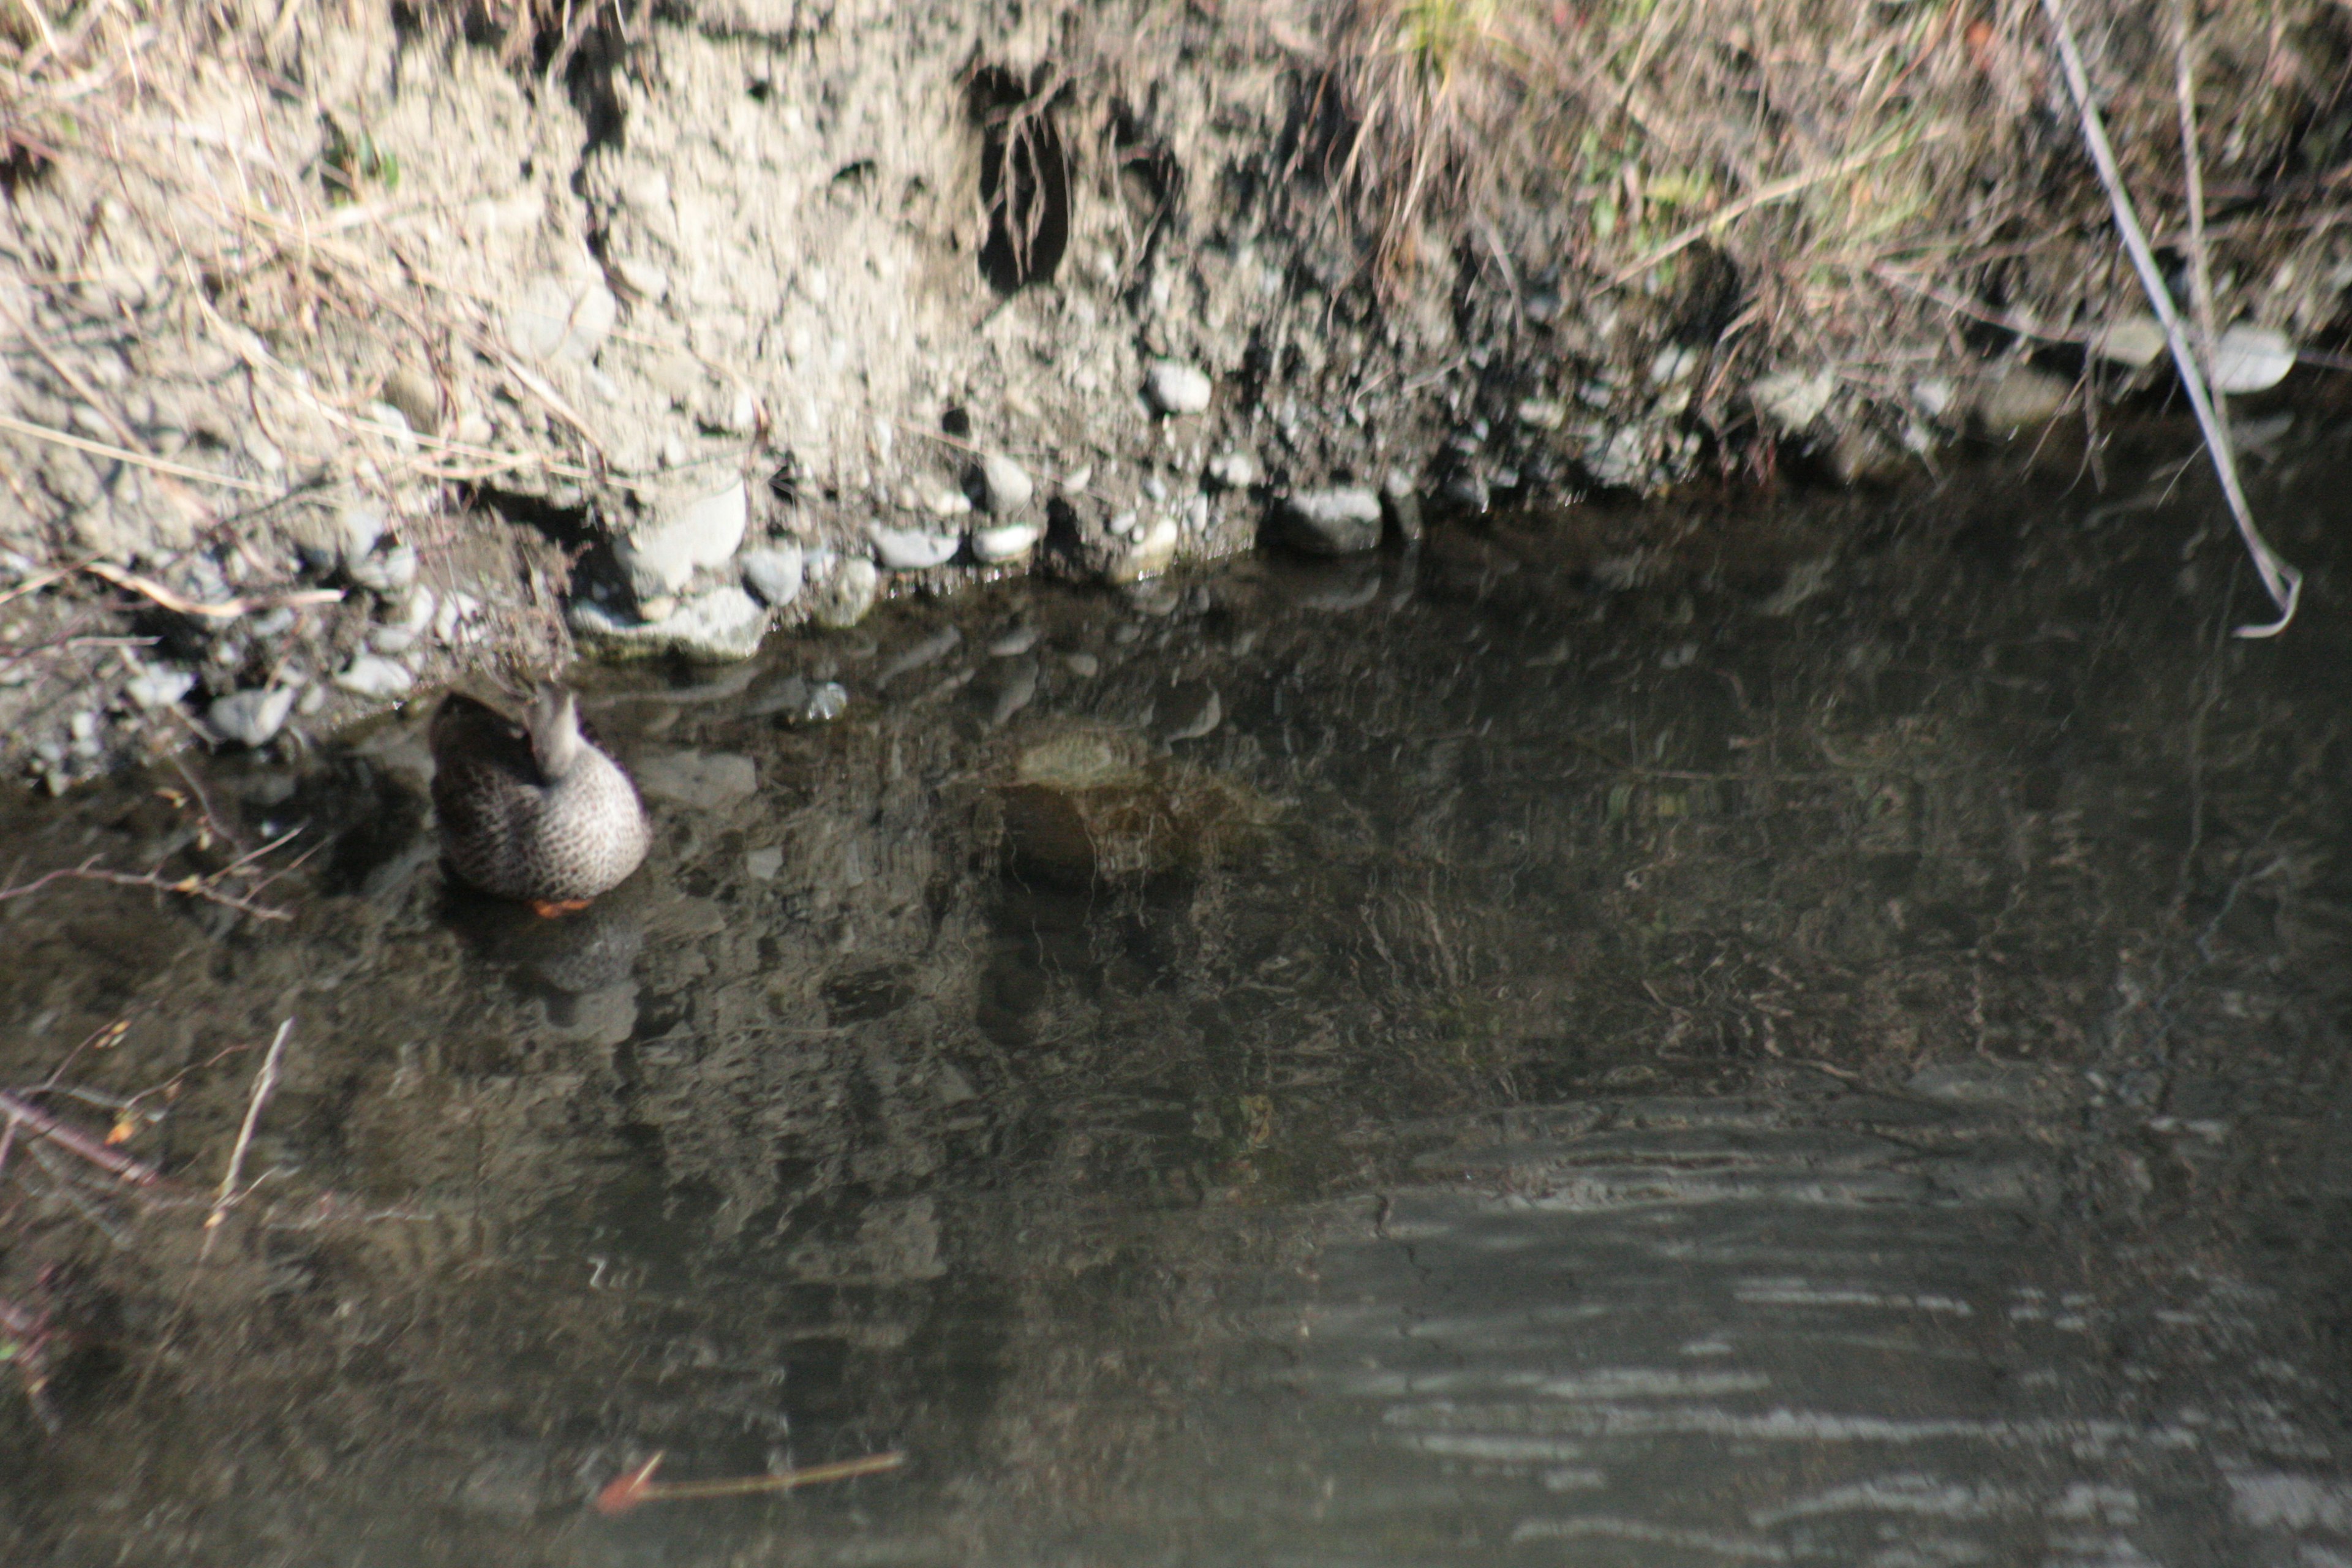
[(1822, 1041)]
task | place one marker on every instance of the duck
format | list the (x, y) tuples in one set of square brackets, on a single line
[(533, 810)]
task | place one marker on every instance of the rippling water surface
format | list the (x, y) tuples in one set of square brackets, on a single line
[(1822, 1041)]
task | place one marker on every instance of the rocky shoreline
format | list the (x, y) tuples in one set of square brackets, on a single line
[(392, 346)]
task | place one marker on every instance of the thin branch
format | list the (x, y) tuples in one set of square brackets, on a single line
[(125, 455), (193, 887), (2281, 579), (264, 1082)]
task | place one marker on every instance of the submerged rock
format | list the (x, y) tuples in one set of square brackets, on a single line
[(1094, 803)]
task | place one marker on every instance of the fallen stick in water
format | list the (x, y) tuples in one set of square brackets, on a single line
[(639, 1486)]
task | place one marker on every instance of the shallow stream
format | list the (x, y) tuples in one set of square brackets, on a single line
[(1819, 1040)]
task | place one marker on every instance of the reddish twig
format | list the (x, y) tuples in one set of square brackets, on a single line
[(638, 1486), (75, 1142)]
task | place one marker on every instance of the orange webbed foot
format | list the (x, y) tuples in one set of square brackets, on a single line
[(549, 909)]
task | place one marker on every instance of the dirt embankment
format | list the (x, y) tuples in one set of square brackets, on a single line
[(343, 346)]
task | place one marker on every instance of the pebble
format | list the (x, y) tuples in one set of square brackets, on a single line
[(909, 549), (937, 645), (458, 611), (1341, 521), (761, 865), (2137, 340), (1791, 400), (331, 544), (1015, 693), (1004, 483), (1401, 497), (251, 718), (1084, 666), (372, 675), (1175, 387), (848, 594), (775, 575), (1013, 643), (401, 634), (702, 780), (800, 700), (1200, 711), (387, 572), (661, 556), (1236, 470), (160, 687), (1152, 552), (1015, 539), (1543, 413), (2023, 397)]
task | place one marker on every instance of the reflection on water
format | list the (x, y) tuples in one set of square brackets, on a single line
[(1817, 1042)]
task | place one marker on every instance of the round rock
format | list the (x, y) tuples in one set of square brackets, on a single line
[(1175, 387), (911, 548), (848, 594), (251, 718), (1004, 543), (1005, 484), (775, 575), (1341, 521), (372, 675)]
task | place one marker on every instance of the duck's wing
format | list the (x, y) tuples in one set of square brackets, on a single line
[(480, 758)]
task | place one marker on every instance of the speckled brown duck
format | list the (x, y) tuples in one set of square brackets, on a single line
[(534, 811)]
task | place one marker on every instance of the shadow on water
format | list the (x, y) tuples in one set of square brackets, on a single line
[(1817, 1040)]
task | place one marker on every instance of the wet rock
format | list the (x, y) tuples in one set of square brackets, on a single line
[(909, 549), (848, 593), (251, 718), (372, 675), (1401, 499), (2020, 398), (1005, 486), (775, 575), (1340, 521), (1175, 387), (702, 780), (1014, 691), (1014, 642), (1084, 666), (1005, 543), (387, 572), (1151, 550), (660, 557), (936, 647), (719, 626), (1194, 710)]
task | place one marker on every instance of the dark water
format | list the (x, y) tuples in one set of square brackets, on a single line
[(1819, 1041)]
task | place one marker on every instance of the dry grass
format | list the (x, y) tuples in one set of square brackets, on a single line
[(1853, 157)]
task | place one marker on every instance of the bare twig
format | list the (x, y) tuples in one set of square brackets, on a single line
[(227, 609), (2283, 581), (124, 455), (191, 886), (638, 1486), (264, 1083)]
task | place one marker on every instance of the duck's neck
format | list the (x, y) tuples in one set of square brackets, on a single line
[(555, 738)]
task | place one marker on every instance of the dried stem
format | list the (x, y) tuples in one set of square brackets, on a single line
[(75, 1142), (264, 1083), (2283, 581)]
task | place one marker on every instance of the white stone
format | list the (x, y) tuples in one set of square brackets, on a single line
[(2250, 359), (1005, 542), (1153, 551), (160, 687), (703, 780), (2135, 341), (1005, 483), (388, 572), (1177, 388), (660, 557), (1792, 401), (1236, 470), (372, 675), (848, 594), (719, 626), (1543, 413), (775, 575), (251, 718), (909, 549), (642, 279), (1340, 521)]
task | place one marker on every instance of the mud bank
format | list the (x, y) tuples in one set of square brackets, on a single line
[(347, 348)]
